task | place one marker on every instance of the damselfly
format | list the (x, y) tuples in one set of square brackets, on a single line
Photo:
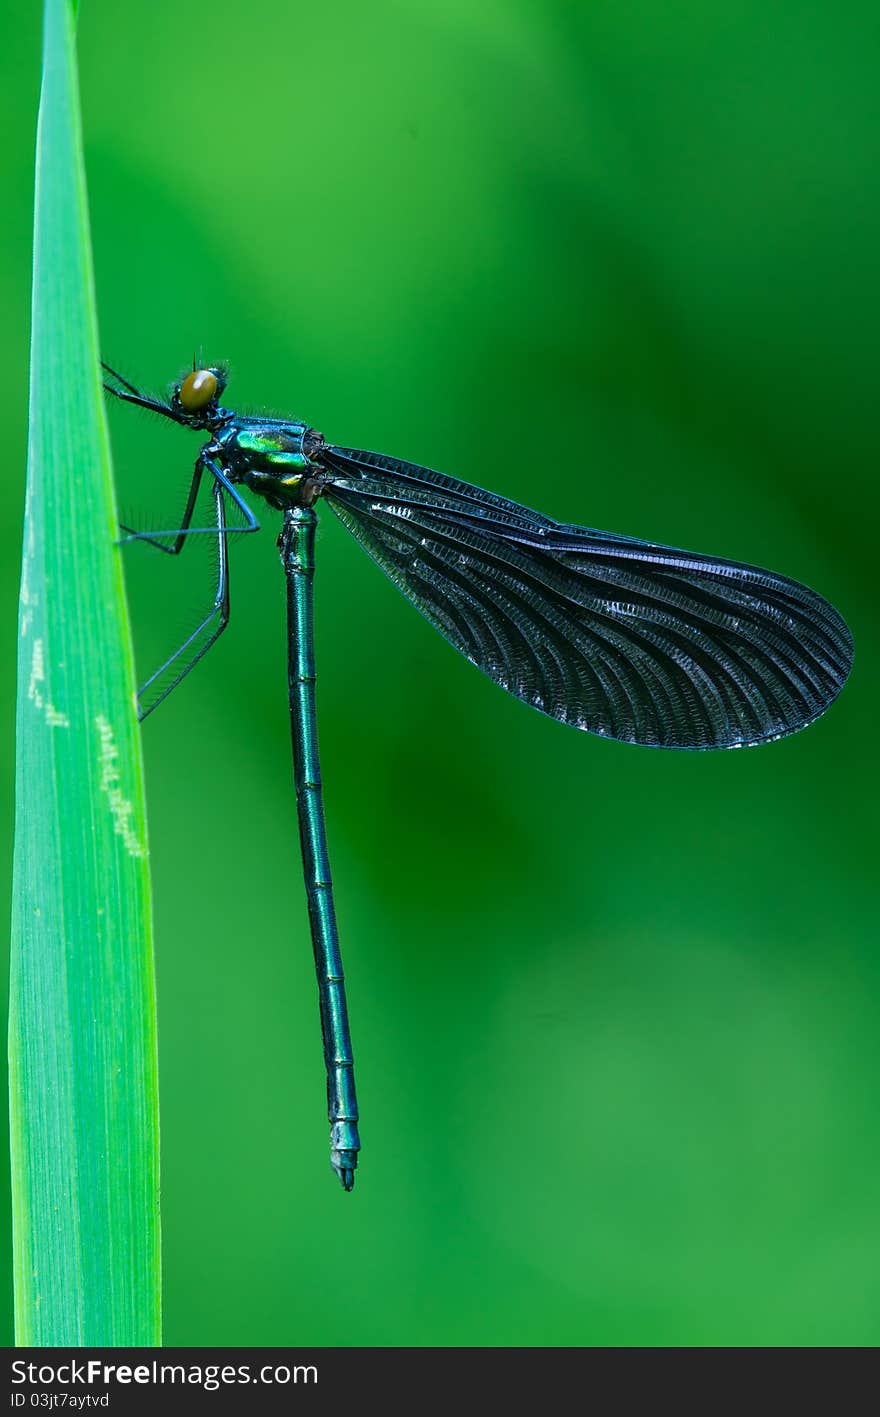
[(613, 635)]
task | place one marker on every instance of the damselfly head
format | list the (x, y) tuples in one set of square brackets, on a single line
[(199, 391)]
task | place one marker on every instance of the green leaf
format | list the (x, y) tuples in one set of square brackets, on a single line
[(82, 1009)]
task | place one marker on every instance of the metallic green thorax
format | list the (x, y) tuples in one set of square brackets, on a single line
[(272, 449), (296, 544), (269, 456), (260, 443)]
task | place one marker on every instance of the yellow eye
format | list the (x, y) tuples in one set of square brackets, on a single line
[(198, 389)]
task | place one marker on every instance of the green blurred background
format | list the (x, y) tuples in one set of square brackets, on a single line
[(619, 262)]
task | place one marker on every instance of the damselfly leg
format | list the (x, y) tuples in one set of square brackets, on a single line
[(209, 630)]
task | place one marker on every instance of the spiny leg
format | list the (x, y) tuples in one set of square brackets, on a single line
[(129, 393), (219, 611), (151, 538), (126, 384)]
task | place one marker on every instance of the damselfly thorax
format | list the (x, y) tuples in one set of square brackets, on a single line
[(277, 459)]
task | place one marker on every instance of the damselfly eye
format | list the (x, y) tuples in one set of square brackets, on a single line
[(198, 389)]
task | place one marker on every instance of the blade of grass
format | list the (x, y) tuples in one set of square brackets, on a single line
[(83, 1084)]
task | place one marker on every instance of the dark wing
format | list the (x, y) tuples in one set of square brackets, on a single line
[(608, 633)]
